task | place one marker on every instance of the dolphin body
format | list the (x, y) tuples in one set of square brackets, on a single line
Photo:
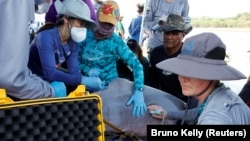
[(115, 111)]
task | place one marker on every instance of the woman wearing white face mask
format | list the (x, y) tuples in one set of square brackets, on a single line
[(54, 51)]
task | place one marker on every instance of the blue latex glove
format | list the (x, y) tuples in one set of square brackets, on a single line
[(139, 108), (93, 83), (59, 88), (94, 72)]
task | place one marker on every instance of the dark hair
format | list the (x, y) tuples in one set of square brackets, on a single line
[(49, 25), (135, 47), (140, 7), (59, 21)]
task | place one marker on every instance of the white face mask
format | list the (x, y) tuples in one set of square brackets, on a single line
[(43, 8), (78, 34)]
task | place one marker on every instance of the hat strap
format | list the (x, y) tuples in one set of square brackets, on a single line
[(210, 83)]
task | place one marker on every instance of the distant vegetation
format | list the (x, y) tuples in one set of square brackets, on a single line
[(240, 21)]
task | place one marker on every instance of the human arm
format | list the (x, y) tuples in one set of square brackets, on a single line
[(157, 112), (52, 55), (92, 81), (91, 74), (187, 115), (149, 15), (133, 62), (185, 14), (93, 84), (137, 97), (85, 69), (15, 77)]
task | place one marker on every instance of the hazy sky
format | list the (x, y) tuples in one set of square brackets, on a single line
[(210, 8), (198, 8), (218, 8)]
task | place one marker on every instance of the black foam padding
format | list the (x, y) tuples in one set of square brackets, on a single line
[(62, 121)]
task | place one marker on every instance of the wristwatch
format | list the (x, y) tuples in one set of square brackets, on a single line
[(140, 89)]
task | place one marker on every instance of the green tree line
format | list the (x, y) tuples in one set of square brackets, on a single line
[(242, 20)]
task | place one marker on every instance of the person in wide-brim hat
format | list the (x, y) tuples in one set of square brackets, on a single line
[(54, 51), (202, 57), (75, 9), (200, 67)]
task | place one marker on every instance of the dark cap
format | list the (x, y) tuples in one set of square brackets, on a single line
[(172, 22)]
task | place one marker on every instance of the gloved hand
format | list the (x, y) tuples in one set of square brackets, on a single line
[(139, 108), (93, 83), (59, 88), (94, 72)]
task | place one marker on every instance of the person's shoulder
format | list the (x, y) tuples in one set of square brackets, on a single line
[(116, 38), (224, 95), (48, 33)]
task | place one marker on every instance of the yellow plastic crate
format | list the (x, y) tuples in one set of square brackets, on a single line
[(78, 117)]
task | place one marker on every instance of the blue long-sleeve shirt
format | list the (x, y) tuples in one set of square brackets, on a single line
[(135, 27), (48, 55), (103, 54)]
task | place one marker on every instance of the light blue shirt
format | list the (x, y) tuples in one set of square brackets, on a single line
[(222, 107), (157, 8), (15, 77)]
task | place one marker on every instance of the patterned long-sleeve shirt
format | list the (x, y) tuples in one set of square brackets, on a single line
[(103, 55)]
